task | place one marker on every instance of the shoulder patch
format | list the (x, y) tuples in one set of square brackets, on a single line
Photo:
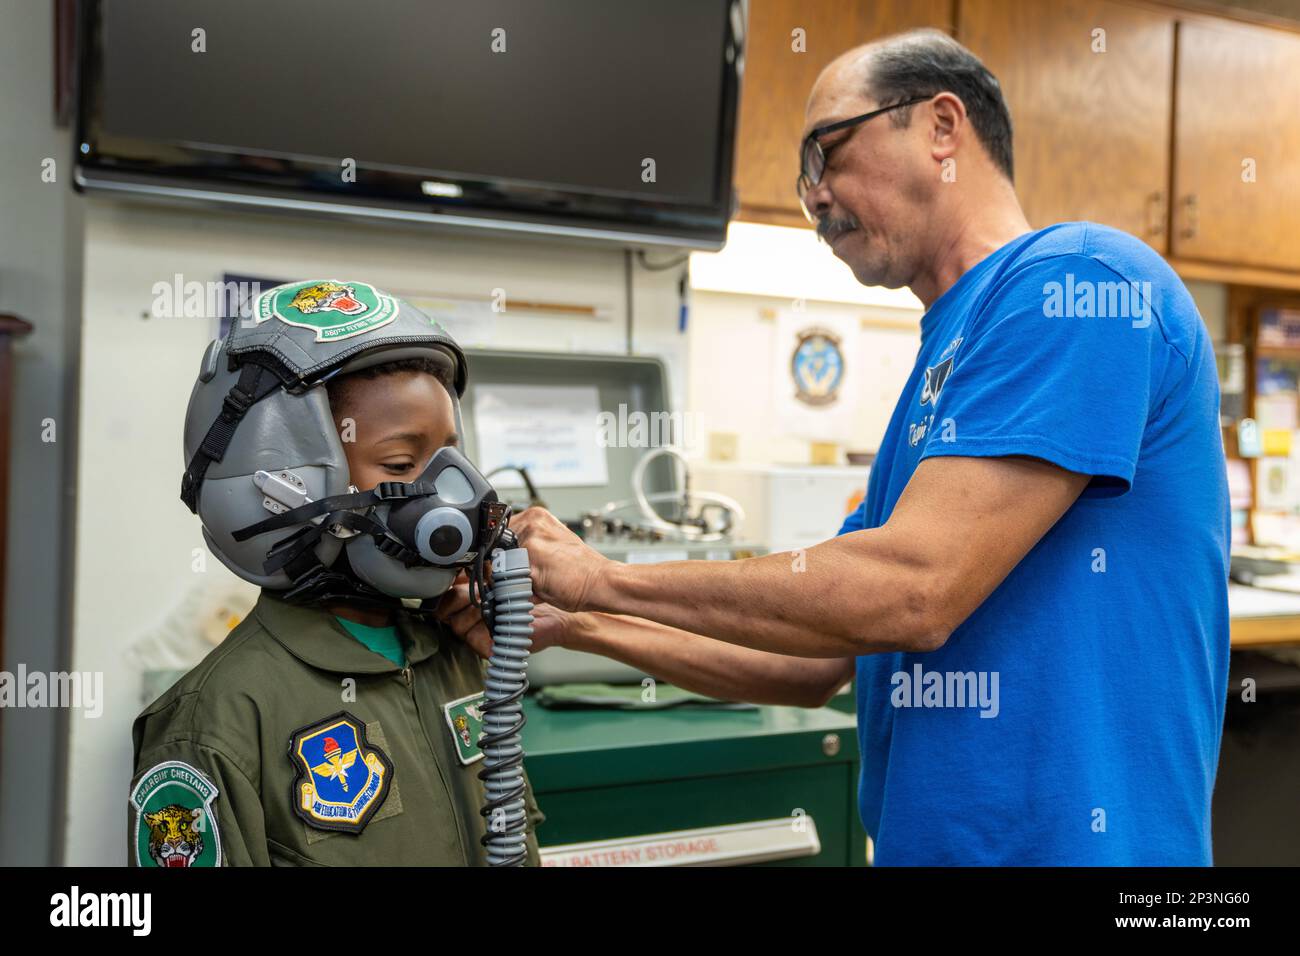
[(340, 779), (175, 823), (465, 721)]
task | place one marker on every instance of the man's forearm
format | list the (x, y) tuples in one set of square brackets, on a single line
[(960, 527), (832, 600), (706, 666)]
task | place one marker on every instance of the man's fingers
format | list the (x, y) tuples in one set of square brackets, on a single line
[(463, 620), (479, 639), (456, 598), (528, 521)]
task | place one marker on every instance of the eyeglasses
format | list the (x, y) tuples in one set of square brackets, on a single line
[(812, 158)]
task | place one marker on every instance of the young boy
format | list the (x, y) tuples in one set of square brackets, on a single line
[(333, 726)]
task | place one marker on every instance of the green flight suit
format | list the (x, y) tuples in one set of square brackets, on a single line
[(218, 744)]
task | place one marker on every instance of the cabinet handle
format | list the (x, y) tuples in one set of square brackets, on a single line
[(1189, 217), (1156, 215)]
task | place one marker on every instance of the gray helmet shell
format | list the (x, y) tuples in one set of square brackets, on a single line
[(305, 332)]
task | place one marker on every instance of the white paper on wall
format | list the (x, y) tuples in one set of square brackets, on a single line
[(552, 430)]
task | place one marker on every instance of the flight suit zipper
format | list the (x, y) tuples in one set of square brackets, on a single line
[(409, 676)]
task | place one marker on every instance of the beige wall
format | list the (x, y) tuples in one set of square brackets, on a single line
[(135, 540)]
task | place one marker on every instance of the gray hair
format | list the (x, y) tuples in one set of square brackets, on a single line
[(923, 63)]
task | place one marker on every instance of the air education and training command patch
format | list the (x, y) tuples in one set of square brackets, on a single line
[(336, 310), (175, 825), (340, 780)]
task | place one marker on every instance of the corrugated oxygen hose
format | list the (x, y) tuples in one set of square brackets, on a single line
[(511, 623)]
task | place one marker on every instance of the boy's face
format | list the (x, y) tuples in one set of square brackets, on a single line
[(400, 420)]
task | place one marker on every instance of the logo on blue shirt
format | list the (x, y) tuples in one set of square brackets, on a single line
[(935, 376)]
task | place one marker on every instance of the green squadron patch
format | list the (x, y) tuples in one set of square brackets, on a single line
[(175, 825), (465, 720), (336, 310)]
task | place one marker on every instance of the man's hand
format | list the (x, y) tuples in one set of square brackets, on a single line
[(564, 569), (551, 626)]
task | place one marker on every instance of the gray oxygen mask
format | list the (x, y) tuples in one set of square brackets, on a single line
[(439, 523)]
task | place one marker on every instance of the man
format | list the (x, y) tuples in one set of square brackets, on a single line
[(1034, 593)]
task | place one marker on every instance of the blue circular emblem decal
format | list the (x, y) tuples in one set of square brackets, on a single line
[(817, 367)]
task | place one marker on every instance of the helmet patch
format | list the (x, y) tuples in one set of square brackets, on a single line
[(336, 310)]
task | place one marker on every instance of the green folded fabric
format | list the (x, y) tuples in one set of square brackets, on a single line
[(628, 697)]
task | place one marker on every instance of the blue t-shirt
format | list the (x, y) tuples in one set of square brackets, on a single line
[(1084, 699)]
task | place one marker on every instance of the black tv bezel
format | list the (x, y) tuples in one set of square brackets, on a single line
[(489, 202)]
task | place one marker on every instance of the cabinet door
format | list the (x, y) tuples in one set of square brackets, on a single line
[(1236, 120), (778, 79), (1090, 87)]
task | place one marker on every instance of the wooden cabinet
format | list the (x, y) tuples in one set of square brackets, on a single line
[(778, 79), (1090, 87), (1237, 95), (1184, 132)]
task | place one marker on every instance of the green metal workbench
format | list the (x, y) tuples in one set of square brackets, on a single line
[(607, 774)]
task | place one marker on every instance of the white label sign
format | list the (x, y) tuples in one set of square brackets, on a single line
[(784, 838)]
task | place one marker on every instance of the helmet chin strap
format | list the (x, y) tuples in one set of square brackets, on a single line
[(314, 583), (324, 585)]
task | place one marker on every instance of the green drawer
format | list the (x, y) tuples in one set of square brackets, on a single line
[(601, 775)]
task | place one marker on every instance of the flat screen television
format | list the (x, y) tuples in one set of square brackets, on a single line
[(602, 118)]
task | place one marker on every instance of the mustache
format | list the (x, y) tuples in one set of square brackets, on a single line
[(828, 228)]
